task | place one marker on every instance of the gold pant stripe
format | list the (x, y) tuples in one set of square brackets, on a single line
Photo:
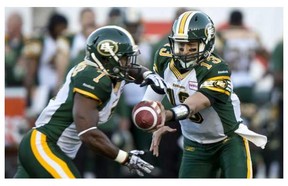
[(54, 165)]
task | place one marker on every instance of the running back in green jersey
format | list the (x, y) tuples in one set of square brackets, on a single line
[(56, 120)]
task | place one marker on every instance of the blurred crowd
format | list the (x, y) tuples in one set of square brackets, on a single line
[(37, 65)]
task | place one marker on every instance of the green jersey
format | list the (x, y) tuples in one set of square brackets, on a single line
[(212, 78), (56, 120)]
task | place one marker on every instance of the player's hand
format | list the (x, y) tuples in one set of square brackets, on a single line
[(156, 138), (163, 115), (136, 164), (163, 118), (151, 78)]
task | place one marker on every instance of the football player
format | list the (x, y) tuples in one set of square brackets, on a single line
[(199, 86), (87, 99)]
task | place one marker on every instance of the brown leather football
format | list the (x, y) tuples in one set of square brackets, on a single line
[(146, 115)]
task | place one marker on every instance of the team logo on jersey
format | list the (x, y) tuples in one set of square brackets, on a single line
[(193, 85), (220, 84), (223, 84), (107, 47)]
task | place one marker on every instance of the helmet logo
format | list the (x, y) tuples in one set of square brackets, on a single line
[(107, 47), (210, 31)]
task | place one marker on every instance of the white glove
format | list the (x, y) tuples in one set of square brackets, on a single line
[(154, 79), (136, 164)]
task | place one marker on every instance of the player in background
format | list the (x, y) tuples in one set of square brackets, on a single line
[(46, 57), (14, 43), (85, 101), (239, 45), (88, 22), (200, 89)]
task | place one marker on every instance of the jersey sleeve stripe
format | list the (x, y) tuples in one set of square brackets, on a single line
[(218, 90), (87, 94), (218, 78)]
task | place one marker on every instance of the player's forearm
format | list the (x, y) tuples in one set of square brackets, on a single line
[(190, 106), (100, 144), (169, 115), (197, 102)]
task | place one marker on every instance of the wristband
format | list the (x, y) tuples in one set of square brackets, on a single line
[(180, 112), (121, 157)]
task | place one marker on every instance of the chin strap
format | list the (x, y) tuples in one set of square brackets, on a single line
[(99, 64)]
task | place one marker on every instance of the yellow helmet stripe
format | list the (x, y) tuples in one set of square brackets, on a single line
[(183, 22)]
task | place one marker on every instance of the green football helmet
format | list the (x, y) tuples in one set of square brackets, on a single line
[(192, 26), (108, 46)]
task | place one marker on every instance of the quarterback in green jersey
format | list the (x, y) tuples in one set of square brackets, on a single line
[(200, 88), (87, 99)]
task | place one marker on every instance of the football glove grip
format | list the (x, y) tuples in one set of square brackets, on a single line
[(151, 78), (136, 164)]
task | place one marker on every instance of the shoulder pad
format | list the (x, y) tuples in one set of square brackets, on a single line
[(162, 57), (91, 82), (213, 67)]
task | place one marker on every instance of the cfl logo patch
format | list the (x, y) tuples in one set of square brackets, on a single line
[(107, 47)]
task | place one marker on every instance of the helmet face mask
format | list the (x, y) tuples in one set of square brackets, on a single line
[(113, 51), (195, 48), (192, 27)]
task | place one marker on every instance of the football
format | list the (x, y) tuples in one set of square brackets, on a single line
[(146, 115)]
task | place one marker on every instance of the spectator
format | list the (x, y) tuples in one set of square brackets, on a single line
[(273, 157), (115, 17), (241, 47), (238, 44), (88, 24), (14, 42), (47, 57), (15, 71)]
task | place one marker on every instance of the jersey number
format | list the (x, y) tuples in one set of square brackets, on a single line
[(78, 68), (164, 52), (196, 118)]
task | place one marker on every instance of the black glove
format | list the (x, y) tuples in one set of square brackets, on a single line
[(136, 164)]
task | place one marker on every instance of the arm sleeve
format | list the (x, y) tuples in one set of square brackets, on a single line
[(150, 94), (210, 97), (86, 85), (216, 85)]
